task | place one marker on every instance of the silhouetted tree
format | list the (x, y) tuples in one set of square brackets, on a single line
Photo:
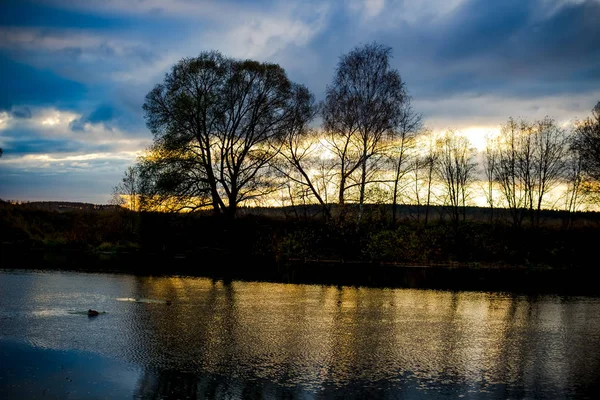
[(300, 150), (531, 162), (424, 168), (215, 119), (401, 150), (512, 167), (575, 178), (549, 162), (587, 143), (1, 152), (455, 168), (172, 179), (364, 102), (127, 192), (490, 163)]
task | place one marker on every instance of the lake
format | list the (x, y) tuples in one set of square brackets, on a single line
[(185, 337)]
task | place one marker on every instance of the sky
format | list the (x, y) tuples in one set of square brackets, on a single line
[(74, 74)]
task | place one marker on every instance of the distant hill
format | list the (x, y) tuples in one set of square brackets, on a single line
[(64, 205), (372, 212)]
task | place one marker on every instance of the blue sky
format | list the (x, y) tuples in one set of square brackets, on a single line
[(73, 74)]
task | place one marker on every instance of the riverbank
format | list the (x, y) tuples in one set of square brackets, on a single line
[(473, 255), (454, 276)]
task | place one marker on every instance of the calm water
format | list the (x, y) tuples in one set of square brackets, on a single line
[(265, 340)]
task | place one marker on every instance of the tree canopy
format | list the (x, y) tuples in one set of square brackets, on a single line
[(216, 121), (588, 143), (364, 102)]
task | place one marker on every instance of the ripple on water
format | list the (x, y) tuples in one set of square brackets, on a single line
[(315, 338)]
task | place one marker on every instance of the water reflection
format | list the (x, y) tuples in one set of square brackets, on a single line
[(248, 340)]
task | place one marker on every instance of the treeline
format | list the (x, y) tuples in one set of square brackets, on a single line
[(230, 132), (62, 205)]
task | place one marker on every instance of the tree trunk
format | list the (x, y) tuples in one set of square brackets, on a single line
[(363, 183), (429, 178), (342, 189), (394, 202)]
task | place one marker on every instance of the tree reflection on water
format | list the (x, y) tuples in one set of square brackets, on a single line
[(266, 340)]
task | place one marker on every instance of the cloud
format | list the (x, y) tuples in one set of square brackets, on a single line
[(44, 159), (264, 36), (49, 132), (76, 54), (367, 8), (522, 53), (27, 146), (477, 116), (103, 113)]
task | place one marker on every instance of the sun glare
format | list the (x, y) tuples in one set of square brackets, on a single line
[(477, 135), (324, 150)]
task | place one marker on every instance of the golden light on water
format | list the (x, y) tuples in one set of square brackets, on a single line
[(320, 339), (315, 334)]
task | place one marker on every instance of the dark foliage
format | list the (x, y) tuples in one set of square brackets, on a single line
[(281, 239)]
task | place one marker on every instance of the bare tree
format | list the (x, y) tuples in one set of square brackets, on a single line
[(513, 167), (427, 164), (127, 192), (363, 103), (299, 150), (531, 162), (401, 150), (455, 168), (549, 162), (490, 163), (575, 179), (416, 169), (583, 172), (220, 116)]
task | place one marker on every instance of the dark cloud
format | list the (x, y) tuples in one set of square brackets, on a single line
[(77, 125), (42, 146), (478, 27), (21, 112), (39, 145), (511, 48), (104, 114), (22, 84)]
